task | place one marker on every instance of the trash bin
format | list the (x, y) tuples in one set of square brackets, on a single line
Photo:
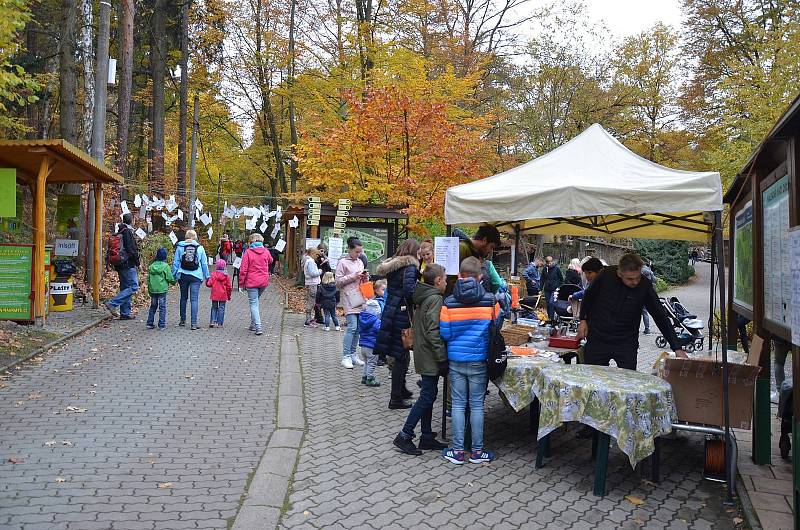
[(61, 292)]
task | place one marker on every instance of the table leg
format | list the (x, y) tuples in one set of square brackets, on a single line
[(601, 465), (534, 415), (655, 462), (444, 407), (541, 450), (594, 444)]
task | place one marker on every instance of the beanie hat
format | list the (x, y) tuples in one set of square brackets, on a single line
[(161, 254), (372, 307), (221, 264)]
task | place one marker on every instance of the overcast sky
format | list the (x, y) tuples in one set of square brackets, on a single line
[(628, 17)]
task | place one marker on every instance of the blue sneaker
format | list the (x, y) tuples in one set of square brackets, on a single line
[(480, 457), (453, 456)]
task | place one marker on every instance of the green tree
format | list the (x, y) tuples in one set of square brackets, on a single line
[(16, 86)]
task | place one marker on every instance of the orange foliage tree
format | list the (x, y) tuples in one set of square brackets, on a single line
[(396, 149)]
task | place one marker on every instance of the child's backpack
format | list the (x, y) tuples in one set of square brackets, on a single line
[(237, 247), (190, 260), (117, 255), (226, 247)]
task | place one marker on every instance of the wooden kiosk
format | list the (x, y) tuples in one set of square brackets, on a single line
[(764, 204), (42, 162)]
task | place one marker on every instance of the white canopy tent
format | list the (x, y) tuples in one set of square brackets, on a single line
[(591, 185)]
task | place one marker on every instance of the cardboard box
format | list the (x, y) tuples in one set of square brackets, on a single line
[(697, 390)]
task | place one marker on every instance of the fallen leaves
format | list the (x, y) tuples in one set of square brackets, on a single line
[(634, 500), (189, 376), (72, 408), (164, 485), (15, 460), (60, 480), (738, 520)]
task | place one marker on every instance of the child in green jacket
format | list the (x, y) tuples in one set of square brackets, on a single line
[(159, 279)]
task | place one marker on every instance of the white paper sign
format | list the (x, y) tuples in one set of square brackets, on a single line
[(275, 231), (250, 224), (116, 227), (334, 250), (263, 227), (66, 247), (124, 206), (180, 214), (198, 204), (294, 222), (446, 254), (173, 238), (210, 232), (794, 264), (237, 262), (137, 201), (312, 243), (206, 219), (280, 245), (141, 233)]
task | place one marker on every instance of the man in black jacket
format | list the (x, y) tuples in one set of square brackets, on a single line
[(551, 279), (610, 314), (120, 305)]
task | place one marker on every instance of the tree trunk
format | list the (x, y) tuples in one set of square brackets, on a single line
[(66, 74), (280, 172), (184, 99), (87, 58), (292, 124), (157, 70), (125, 86)]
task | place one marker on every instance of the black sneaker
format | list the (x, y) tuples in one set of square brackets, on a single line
[(406, 394), (126, 317), (399, 405), (182, 323), (406, 445), (431, 444)]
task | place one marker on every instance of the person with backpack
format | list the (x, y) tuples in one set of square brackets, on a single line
[(190, 268), (225, 247), (238, 248), (123, 255)]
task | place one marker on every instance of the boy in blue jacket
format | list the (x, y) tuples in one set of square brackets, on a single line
[(369, 323), (465, 322)]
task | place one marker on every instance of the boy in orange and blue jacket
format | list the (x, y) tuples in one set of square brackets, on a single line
[(465, 323)]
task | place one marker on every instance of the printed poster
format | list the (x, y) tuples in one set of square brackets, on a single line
[(743, 257), (777, 275)]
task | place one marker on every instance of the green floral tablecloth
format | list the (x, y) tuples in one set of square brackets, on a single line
[(632, 407)]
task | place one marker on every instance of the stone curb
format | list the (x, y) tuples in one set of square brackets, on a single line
[(57, 341), (747, 506), (268, 490)]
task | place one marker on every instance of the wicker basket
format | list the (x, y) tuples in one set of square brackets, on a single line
[(515, 334)]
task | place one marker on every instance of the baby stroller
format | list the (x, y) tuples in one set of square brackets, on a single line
[(687, 326), (566, 311)]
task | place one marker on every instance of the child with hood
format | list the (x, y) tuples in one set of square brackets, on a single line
[(368, 326), (220, 284), (159, 278), (327, 298)]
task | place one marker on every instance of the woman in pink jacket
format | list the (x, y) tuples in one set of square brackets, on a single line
[(254, 275), (350, 275)]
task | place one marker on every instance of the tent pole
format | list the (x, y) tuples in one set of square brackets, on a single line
[(723, 342), (515, 255), (714, 259)]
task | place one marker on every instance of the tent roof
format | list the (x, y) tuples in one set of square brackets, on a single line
[(71, 164), (591, 185)]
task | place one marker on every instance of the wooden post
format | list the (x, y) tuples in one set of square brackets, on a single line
[(39, 239), (97, 236)]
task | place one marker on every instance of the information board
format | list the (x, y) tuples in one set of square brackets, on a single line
[(794, 264), (374, 239), (16, 265), (743, 257), (777, 277)]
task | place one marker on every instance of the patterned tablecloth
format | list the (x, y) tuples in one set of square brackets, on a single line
[(632, 407)]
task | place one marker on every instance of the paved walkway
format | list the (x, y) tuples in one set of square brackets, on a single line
[(129, 428), (350, 476)]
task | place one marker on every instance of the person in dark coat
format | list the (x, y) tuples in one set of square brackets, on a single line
[(402, 273), (552, 278)]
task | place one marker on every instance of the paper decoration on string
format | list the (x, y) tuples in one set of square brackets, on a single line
[(210, 232), (280, 245), (198, 204), (137, 201), (173, 238), (197, 214), (314, 208), (124, 206), (263, 227), (275, 232), (264, 210), (294, 222), (171, 204), (142, 212), (168, 220), (250, 224), (180, 214), (116, 227), (205, 219), (141, 233)]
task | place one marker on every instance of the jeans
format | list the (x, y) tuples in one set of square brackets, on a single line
[(311, 300), (422, 411), (646, 319), (350, 336), (330, 314), (217, 312), (253, 295), (399, 371), (158, 302), (190, 287), (468, 382), (370, 362), (551, 305), (128, 286)]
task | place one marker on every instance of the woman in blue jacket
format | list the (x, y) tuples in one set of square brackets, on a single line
[(190, 269)]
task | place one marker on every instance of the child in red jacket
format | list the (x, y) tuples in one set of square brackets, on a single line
[(221, 288)]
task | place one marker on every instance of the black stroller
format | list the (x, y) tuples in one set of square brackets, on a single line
[(563, 307), (687, 326)]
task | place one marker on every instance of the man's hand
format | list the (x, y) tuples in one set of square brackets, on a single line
[(583, 329), (680, 353)]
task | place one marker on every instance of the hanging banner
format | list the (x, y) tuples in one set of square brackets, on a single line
[(8, 192), (16, 291)]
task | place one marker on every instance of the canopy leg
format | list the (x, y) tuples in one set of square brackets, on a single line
[(97, 236), (730, 453)]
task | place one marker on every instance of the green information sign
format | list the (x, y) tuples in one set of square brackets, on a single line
[(375, 241), (743, 257), (68, 213), (16, 263), (8, 192)]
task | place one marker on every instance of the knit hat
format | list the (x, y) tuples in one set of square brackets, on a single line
[(372, 307), (161, 254), (221, 264)]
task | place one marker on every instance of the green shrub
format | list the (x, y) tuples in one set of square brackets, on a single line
[(670, 259), (661, 285), (150, 245)]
